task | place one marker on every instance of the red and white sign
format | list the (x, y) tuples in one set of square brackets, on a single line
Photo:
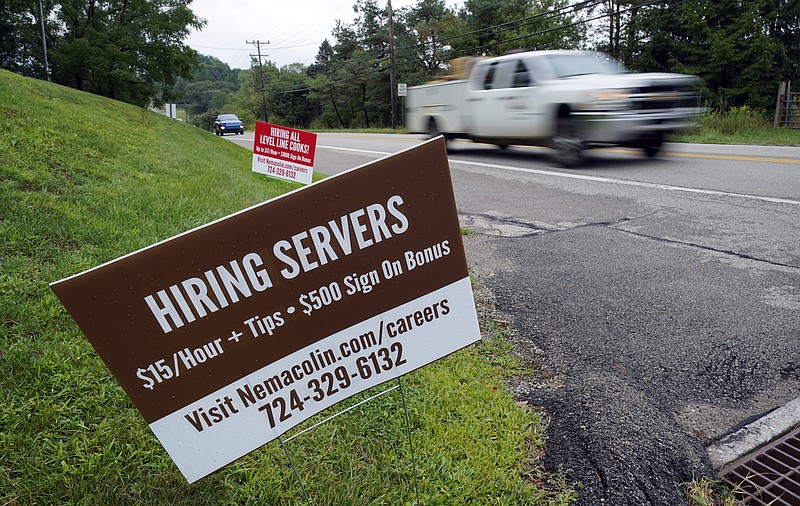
[(284, 153)]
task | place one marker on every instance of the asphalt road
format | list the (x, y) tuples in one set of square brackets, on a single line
[(659, 300)]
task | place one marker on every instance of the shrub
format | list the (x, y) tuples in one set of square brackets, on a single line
[(735, 120)]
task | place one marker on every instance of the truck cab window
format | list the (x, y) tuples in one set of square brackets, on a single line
[(504, 74), (489, 78), (522, 78)]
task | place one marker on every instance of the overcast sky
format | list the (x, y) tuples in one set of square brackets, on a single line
[(294, 28)]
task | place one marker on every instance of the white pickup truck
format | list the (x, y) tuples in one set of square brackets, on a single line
[(567, 100)]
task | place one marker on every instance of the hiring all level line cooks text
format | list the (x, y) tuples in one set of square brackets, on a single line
[(284, 139), (223, 285)]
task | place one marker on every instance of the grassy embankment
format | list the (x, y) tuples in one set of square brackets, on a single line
[(84, 180), (739, 125)]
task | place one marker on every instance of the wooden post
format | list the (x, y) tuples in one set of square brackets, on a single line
[(779, 104)]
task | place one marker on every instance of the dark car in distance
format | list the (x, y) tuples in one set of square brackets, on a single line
[(228, 124)]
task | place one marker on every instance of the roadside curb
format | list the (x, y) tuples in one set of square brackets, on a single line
[(754, 435)]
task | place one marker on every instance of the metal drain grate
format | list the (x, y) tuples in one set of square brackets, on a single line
[(769, 475)]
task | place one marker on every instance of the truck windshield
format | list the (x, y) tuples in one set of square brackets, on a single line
[(571, 65)]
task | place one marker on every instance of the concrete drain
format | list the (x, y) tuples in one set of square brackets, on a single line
[(769, 475)]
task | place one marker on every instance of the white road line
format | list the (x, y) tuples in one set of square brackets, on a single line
[(599, 179), (382, 153)]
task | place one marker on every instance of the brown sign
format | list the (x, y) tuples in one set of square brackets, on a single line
[(257, 321)]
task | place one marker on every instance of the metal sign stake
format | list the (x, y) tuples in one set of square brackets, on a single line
[(296, 473), (410, 440), (408, 433)]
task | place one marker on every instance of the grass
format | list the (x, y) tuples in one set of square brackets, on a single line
[(398, 130), (739, 125), (84, 180), (707, 492)]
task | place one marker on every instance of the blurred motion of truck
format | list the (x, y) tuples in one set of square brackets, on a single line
[(567, 100)]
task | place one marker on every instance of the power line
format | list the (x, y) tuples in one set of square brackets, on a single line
[(307, 28), (548, 30), (546, 15), (520, 22), (496, 30), (222, 48), (523, 21), (454, 53)]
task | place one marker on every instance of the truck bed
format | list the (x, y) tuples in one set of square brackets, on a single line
[(440, 101)]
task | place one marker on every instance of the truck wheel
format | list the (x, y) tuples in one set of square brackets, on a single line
[(566, 143), (433, 132), (433, 129), (652, 145)]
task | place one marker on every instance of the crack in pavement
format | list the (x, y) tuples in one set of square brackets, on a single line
[(742, 256), (504, 225)]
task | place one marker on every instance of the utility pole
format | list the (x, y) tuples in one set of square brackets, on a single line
[(392, 76), (44, 41), (258, 45)]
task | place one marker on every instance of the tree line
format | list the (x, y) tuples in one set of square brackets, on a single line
[(132, 50), (129, 50)]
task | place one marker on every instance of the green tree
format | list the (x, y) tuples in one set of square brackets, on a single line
[(614, 21), (20, 44), (371, 95), (204, 100), (246, 101), (129, 50), (213, 82), (741, 48), (784, 25), (323, 87), (213, 69), (490, 28), (288, 96), (345, 74), (422, 39)]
